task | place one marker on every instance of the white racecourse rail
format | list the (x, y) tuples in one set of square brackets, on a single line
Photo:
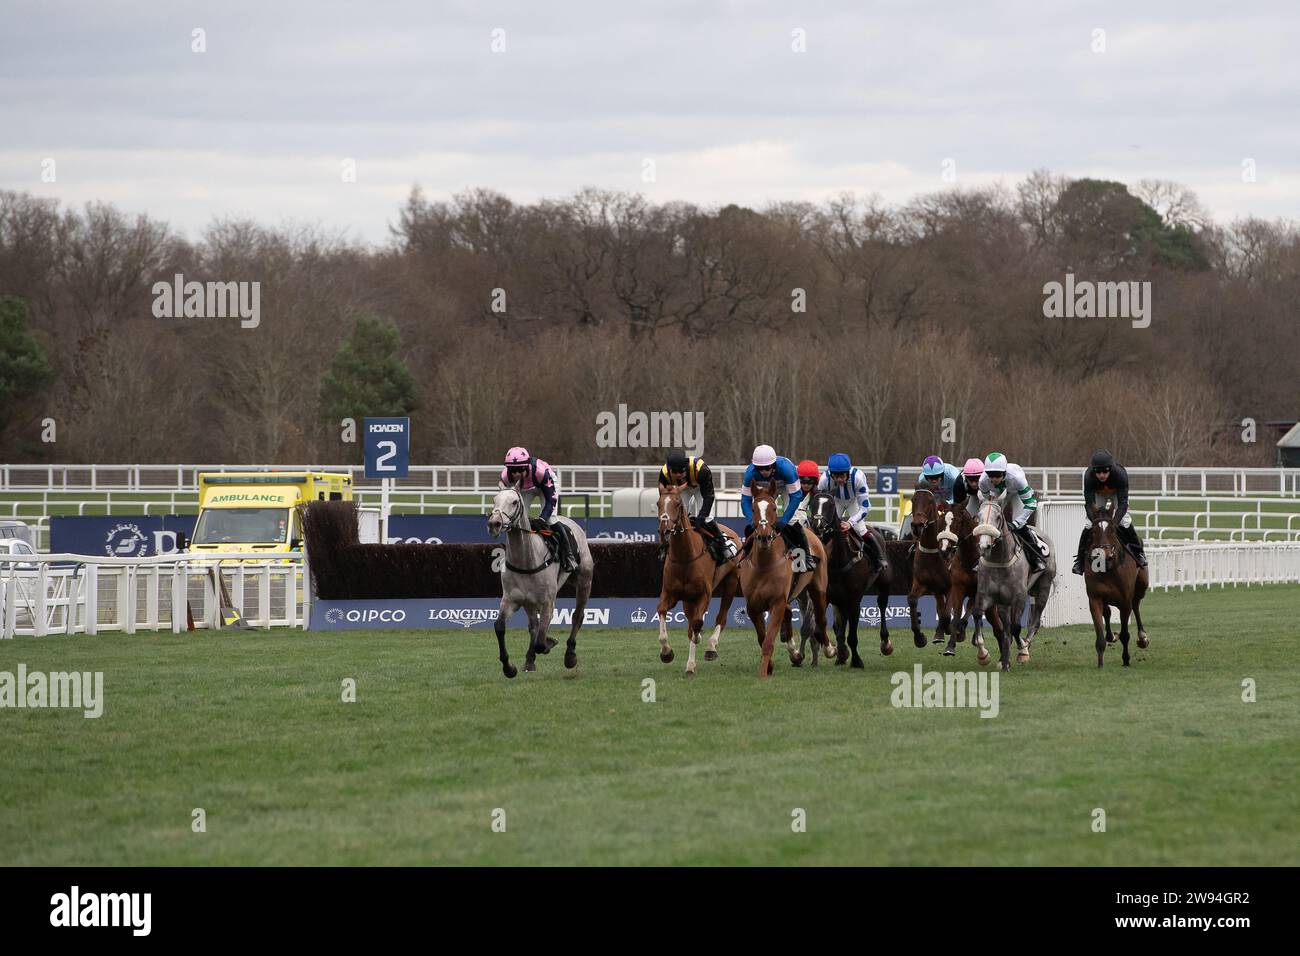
[(90, 594)]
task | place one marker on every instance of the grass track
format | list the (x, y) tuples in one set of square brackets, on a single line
[(251, 728)]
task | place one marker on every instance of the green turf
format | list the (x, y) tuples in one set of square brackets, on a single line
[(251, 727)]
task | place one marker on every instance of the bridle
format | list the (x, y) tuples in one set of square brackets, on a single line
[(679, 526), (993, 509), (925, 524), (511, 523)]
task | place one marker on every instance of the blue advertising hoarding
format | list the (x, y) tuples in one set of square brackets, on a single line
[(118, 536)]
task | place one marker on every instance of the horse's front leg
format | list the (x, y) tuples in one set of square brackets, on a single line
[(729, 584), (767, 636), (694, 625), (914, 595), (787, 635), (943, 625), (886, 645), (1097, 608), (508, 608), (1124, 611), (665, 649)]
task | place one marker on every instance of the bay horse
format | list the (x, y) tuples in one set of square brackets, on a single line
[(531, 578), (691, 576), (930, 573), (1113, 579), (1006, 584), (895, 578), (772, 575), (850, 574), (959, 544)]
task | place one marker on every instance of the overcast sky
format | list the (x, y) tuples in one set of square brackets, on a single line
[(585, 92)]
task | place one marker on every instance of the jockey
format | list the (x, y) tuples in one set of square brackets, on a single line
[(810, 474), (1001, 476), (852, 499), (695, 480), (534, 479), (943, 479), (765, 465), (971, 473), (1107, 482)]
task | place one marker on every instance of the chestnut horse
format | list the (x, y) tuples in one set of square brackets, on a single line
[(772, 575), (929, 564), (959, 544), (850, 574), (1113, 579), (691, 576)]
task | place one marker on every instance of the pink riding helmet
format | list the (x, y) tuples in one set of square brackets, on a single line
[(973, 467), (517, 456)]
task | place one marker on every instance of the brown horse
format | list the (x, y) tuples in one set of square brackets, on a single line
[(1113, 579), (959, 544), (771, 575), (691, 576), (930, 573)]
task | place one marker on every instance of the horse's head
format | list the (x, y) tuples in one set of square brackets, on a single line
[(765, 513), (507, 510), (925, 511), (993, 523), (1103, 537), (957, 524), (825, 516), (672, 513)]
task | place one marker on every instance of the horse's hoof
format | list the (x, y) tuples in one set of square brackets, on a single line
[(689, 672), (570, 660), (918, 640), (841, 661), (936, 640), (530, 667), (857, 663), (1143, 642), (509, 670), (1022, 658), (1111, 638), (983, 661), (796, 661), (887, 648), (667, 656), (546, 647), (949, 652), (710, 655), (1005, 666)]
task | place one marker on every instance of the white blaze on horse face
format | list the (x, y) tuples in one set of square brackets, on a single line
[(762, 512)]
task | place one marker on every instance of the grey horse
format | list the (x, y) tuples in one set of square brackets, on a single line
[(530, 579), (1005, 582)]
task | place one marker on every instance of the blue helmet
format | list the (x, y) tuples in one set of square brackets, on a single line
[(933, 467), (838, 463)]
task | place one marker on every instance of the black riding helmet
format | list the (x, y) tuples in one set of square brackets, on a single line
[(1102, 459), (676, 461)]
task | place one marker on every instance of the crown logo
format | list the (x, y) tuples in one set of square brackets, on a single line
[(638, 616)]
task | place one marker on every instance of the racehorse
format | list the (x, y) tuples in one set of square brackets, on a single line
[(895, 577), (1113, 579), (962, 549), (690, 576), (771, 575), (930, 573), (850, 574), (1005, 582), (532, 577)]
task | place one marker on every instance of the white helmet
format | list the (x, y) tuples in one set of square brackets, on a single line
[(764, 455)]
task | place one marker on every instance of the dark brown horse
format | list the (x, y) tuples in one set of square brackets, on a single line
[(771, 576), (1113, 579), (963, 552), (691, 576), (851, 573), (930, 573)]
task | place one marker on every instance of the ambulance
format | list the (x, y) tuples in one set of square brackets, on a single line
[(255, 510)]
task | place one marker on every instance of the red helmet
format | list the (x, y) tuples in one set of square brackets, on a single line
[(808, 469)]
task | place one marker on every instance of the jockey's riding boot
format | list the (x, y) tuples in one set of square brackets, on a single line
[(1032, 554), (719, 544), (800, 535), (1079, 556), (872, 549), (1134, 544)]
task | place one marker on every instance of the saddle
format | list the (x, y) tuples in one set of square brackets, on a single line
[(560, 545)]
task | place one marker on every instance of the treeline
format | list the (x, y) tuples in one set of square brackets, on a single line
[(887, 331)]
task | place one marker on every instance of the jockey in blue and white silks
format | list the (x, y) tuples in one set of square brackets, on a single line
[(766, 465), (849, 486), (943, 479)]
